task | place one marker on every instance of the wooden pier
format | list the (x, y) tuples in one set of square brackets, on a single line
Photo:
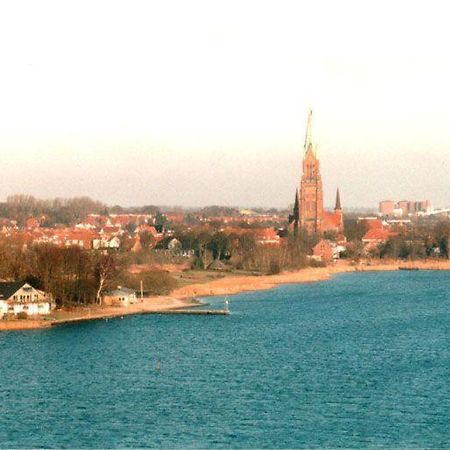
[(195, 312)]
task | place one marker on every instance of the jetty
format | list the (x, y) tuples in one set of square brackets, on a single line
[(194, 312)]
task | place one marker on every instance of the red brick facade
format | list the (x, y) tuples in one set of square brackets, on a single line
[(312, 216), (311, 193), (324, 251)]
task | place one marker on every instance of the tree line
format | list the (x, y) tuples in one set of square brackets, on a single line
[(423, 239), (70, 274), (241, 250), (64, 211)]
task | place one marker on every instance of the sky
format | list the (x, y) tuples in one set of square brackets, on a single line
[(194, 103)]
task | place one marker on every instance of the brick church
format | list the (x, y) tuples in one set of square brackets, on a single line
[(309, 213)]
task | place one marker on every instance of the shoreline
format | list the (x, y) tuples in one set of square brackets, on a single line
[(235, 284), (150, 305), (182, 298)]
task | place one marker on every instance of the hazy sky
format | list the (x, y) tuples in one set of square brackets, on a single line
[(205, 102)]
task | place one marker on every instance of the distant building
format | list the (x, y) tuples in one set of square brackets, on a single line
[(323, 250), (376, 236), (327, 251), (372, 222), (334, 221), (33, 223), (403, 208), (175, 217), (18, 297), (120, 297), (267, 237), (309, 212), (423, 206), (111, 243), (386, 207)]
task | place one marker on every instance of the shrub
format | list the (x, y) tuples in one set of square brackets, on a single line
[(197, 264), (274, 267), (155, 282), (22, 315), (159, 283), (315, 263)]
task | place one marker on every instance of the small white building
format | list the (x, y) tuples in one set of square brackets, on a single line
[(18, 297), (106, 243), (120, 297)]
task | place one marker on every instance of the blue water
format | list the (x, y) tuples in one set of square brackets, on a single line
[(362, 360)]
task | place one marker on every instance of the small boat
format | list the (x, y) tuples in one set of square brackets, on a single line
[(408, 268)]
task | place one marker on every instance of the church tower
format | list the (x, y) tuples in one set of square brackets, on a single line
[(338, 212), (311, 193)]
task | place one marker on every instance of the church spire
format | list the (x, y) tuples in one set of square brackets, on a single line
[(338, 200), (296, 213), (296, 206), (308, 135)]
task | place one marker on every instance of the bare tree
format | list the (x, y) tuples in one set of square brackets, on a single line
[(106, 268)]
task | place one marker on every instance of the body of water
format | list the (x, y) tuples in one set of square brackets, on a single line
[(362, 360)]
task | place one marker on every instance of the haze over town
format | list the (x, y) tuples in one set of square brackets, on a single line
[(114, 103)]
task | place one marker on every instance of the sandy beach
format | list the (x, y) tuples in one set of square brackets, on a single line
[(229, 284)]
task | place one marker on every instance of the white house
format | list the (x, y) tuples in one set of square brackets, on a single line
[(106, 243), (17, 297), (120, 297)]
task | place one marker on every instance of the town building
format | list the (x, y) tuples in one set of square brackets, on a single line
[(18, 297), (403, 208), (376, 236), (309, 212), (327, 251), (323, 251), (107, 243), (386, 207), (267, 237), (120, 297)]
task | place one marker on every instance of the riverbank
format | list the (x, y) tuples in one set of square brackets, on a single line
[(230, 284)]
